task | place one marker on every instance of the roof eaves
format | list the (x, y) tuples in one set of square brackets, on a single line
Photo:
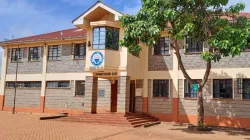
[(40, 40), (94, 6)]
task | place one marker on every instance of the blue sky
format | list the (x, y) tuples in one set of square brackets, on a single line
[(30, 17)]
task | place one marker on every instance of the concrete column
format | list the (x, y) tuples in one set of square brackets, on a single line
[(175, 83), (3, 76), (43, 88), (145, 80), (90, 99), (123, 94)]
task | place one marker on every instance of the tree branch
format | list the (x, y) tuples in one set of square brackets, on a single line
[(177, 53)]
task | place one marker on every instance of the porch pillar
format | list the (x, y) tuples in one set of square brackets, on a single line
[(123, 94), (91, 86)]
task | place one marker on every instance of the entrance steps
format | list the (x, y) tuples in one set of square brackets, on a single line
[(117, 119)]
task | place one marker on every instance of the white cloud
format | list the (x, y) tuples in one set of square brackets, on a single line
[(132, 8)]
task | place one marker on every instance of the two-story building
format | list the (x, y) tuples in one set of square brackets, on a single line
[(85, 70)]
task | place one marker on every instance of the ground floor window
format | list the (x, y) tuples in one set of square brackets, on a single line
[(23, 84), (189, 92), (222, 88), (160, 88), (244, 88), (80, 88), (58, 84)]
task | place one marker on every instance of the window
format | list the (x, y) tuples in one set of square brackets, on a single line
[(162, 47), (193, 46), (24, 84), (54, 52), (80, 88), (106, 38), (17, 54), (79, 51), (222, 88), (160, 88), (188, 91), (244, 88), (34, 53), (58, 84)]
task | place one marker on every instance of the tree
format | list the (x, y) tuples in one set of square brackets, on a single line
[(223, 30)]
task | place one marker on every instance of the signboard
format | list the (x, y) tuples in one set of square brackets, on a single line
[(106, 74), (97, 59), (195, 87)]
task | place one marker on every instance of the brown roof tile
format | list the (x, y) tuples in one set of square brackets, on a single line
[(68, 33)]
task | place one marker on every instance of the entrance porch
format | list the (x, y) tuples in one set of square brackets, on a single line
[(120, 100)]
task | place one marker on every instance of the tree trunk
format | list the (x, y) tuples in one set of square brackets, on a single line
[(200, 108)]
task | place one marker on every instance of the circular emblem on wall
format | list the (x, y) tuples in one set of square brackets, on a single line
[(97, 59)]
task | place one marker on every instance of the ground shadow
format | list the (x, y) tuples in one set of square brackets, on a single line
[(229, 131)]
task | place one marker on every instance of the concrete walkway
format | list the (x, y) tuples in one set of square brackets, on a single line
[(29, 127)]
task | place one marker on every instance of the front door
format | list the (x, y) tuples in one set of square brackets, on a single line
[(114, 97), (132, 97)]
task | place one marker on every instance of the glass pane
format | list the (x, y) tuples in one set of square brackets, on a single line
[(101, 46), (102, 29), (95, 46)]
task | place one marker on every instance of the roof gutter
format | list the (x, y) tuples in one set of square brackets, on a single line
[(39, 41)]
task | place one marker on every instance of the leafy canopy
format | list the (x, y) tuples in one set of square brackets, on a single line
[(225, 31)]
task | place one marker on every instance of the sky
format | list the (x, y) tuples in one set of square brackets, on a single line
[(21, 18)]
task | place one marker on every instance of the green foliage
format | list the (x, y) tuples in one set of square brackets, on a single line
[(204, 20)]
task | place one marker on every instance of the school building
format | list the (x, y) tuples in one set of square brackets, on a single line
[(84, 69)]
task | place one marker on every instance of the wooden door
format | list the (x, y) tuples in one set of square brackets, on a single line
[(114, 97), (132, 97)]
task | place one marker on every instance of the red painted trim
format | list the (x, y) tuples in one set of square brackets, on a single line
[(23, 109), (42, 103), (1, 102), (69, 111), (145, 104), (217, 121), (175, 109), (162, 117)]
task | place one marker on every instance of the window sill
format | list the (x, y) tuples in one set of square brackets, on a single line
[(192, 53), (16, 62), (190, 99), (222, 99), (161, 54), (23, 88), (79, 59), (58, 87), (54, 60), (160, 97), (76, 96), (34, 61), (247, 50)]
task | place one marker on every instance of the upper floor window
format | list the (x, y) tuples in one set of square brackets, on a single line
[(16, 54), (189, 91), (244, 88), (24, 84), (106, 38), (55, 52), (160, 88), (58, 84), (162, 47), (34, 53), (193, 46), (79, 51), (222, 88)]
